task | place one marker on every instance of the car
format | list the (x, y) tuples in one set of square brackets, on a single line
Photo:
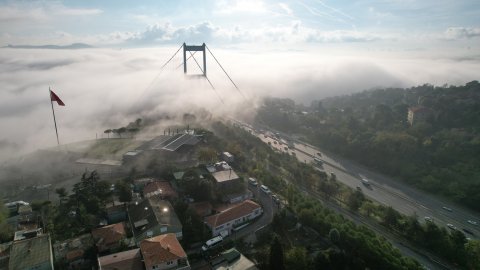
[(274, 142), (265, 189), (275, 198), (365, 182), (429, 219), (472, 222), (447, 208), (252, 181), (319, 154), (468, 231), (450, 226)]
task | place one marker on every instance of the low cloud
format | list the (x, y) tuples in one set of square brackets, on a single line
[(107, 88), (454, 33)]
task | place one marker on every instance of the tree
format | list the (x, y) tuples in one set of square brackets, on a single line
[(124, 191), (276, 261), (334, 235), (355, 199), (472, 249), (108, 131), (297, 259), (121, 130), (207, 155)]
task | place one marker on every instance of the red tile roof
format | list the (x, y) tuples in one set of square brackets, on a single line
[(161, 249), (164, 187), (109, 235), (228, 215), (74, 254)]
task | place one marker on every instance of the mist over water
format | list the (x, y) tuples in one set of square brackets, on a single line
[(108, 88)]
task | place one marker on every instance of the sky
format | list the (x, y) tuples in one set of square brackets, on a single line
[(304, 50)]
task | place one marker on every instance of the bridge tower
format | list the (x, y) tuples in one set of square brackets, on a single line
[(194, 48)]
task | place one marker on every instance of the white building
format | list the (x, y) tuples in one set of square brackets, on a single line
[(233, 217)]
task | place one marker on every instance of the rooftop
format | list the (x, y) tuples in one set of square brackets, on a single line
[(150, 212), (125, 260), (110, 234), (30, 253), (242, 209), (223, 176), (162, 188), (160, 249)]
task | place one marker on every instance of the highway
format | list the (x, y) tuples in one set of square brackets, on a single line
[(383, 189)]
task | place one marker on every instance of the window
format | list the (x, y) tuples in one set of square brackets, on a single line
[(163, 229)]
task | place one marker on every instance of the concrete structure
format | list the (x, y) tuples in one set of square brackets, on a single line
[(116, 213), (418, 114), (32, 254), (109, 237), (233, 217), (151, 217), (125, 260), (228, 157), (164, 252), (232, 259)]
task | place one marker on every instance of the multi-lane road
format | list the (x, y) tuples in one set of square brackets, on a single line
[(383, 189)]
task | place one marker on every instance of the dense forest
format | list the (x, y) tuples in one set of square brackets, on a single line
[(438, 153)]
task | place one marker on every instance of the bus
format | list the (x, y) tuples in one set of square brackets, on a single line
[(212, 243)]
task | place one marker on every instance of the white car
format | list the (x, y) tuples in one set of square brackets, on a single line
[(429, 219), (447, 208), (472, 222), (450, 226)]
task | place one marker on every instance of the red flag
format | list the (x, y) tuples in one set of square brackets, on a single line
[(54, 97)]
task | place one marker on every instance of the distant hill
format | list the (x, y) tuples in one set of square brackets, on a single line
[(73, 46)]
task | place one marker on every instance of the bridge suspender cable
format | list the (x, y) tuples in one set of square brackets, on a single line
[(161, 69), (236, 87), (221, 100)]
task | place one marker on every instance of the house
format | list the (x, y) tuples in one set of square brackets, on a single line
[(224, 175), (164, 252), (201, 209), (34, 253), (233, 217), (109, 237), (4, 255), (232, 259), (125, 260), (237, 197), (418, 114), (151, 217), (160, 188), (27, 234), (116, 213), (139, 184), (228, 157)]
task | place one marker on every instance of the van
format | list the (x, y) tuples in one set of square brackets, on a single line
[(252, 181), (265, 189), (212, 243)]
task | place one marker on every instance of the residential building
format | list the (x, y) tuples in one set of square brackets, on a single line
[(233, 217), (224, 175), (109, 237), (418, 114), (228, 157), (4, 255), (116, 213), (237, 197), (71, 252), (33, 253), (125, 260), (232, 259), (164, 252), (151, 217), (160, 188)]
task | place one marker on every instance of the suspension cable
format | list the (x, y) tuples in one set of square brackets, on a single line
[(206, 77), (228, 76)]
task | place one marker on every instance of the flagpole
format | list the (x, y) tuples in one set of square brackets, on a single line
[(53, 111)]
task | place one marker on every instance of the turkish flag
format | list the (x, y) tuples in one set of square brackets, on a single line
[(54, 97)]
